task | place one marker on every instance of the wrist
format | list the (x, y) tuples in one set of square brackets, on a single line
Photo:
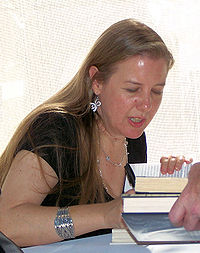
[(194, 178), (112, 214), (104, 215), (63, 224), (194, 171)]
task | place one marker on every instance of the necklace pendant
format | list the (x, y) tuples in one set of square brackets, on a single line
[(107, 158)]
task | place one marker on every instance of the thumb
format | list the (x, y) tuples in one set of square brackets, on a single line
[(132, 191), (177, 213)]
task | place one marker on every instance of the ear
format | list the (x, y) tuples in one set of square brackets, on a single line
[(96, 86)]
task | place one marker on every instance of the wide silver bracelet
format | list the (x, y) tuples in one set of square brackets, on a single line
[(63, 224)]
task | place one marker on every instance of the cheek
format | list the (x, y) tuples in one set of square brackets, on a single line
[(156, 105), (158, 102), (127, 104), (120, 101)]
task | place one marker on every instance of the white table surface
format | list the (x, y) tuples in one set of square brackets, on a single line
[(101, 243)]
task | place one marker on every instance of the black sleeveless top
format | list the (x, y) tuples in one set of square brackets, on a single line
[(59, 129)]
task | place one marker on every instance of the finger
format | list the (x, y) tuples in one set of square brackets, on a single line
[(123, 224), (177, 213), (171, 164), (164, 164), (132, 191), (191, 219), (197, 226), (190, 222), (188, 161), (179, 162)]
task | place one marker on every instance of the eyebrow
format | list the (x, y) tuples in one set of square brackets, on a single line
[(137, 83)]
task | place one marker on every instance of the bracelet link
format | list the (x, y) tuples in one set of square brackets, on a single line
[(63, 224)]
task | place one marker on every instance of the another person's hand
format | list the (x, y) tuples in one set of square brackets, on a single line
[(186, 210), (171, 163)]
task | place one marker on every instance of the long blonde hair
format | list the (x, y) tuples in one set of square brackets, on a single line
[(121, 40)]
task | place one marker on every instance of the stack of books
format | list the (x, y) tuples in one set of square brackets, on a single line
[(145, 213)]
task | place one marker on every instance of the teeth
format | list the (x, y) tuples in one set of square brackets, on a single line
[(136, 120)]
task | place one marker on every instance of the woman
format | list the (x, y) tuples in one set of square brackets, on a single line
[(70, 152)]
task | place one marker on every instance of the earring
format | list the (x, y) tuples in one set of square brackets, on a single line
[(95, 105)]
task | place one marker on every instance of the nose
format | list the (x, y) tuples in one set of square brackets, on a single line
[(144, 103)]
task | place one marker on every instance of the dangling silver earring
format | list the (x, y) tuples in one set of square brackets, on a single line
[(95, 105)]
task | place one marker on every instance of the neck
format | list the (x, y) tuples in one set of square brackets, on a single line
[(110, 136), (113, 149)]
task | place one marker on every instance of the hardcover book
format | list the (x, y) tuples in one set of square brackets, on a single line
[(150, 179), (145, 213), (147, 222)]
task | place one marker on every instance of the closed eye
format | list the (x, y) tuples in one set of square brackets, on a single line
[(157, 92), (132, 90)]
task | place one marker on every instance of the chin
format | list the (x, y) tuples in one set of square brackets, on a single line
[(134, 135)]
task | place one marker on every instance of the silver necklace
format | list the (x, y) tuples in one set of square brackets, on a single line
[(100, 172), (109, 192), (108, 159)]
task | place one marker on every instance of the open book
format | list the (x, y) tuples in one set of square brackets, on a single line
[(146, 213), (150, 179), (155, 228), (147, 222)]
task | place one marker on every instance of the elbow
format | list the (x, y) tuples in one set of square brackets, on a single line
[(7, 227)]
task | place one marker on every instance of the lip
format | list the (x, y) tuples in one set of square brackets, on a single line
[(137, 124)]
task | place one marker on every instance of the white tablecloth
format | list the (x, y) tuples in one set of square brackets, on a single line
[(101, 244)]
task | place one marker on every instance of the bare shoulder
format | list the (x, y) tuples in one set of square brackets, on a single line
[(30, 178), (30, 159), (26, 162)]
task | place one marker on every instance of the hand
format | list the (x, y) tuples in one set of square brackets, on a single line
[(112, 212), (172, 163), (186, 210)]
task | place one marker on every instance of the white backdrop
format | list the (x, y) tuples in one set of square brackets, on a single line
[(43, 42)]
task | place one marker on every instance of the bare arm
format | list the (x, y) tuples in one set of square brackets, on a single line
[(27, 223)]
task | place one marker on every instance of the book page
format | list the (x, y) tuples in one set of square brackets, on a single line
[(168, 185), (153, 170), (150, 179), (155, 228), (148, 202)]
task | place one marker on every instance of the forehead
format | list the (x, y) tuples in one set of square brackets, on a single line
[(139, 60), (140, 64)]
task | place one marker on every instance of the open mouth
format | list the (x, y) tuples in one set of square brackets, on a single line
[(136, 120)]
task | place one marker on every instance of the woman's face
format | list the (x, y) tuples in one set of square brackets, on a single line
[(132, 95)]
